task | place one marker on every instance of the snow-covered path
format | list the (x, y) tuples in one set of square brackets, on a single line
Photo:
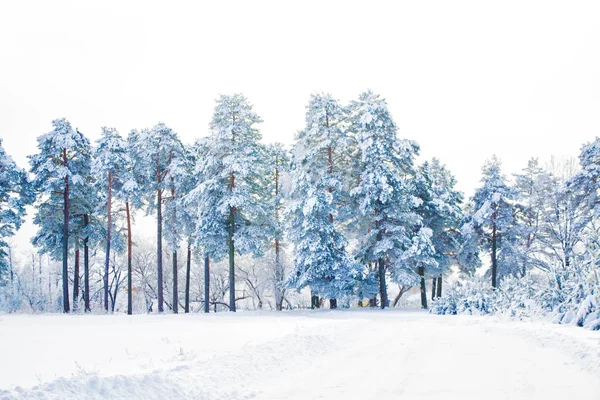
[(366, 354)]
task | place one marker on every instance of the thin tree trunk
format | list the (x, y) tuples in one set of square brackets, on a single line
[(108, 234), (439, 286), (231, 259), (423, 290), (433, 288), (332, 304), (65, 266), (188, 270), (86, 267), (129, 262), (206, 284), (76, 280), (175, 288), (159, 266), (494, 262), (382, 284), (314, 301), (278, 278)]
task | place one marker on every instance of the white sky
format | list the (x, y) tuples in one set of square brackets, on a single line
[(465, 79)]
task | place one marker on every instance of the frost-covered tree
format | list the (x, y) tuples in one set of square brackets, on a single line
[(321, 260), (15, 193), (230, 194), (60, 170), (532, 188), (442, 213), (110, 165), (278, 167), (155, 149), (181, 220), (384, 194), (490, 221), (587, 180)]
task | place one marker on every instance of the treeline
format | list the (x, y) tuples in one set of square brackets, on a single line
[(348, 200)]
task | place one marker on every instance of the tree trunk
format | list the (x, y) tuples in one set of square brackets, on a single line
[(206, 284), (108, 234), (86, 267), (159, 266), (439, 286), (433, 288), (76, 280), (314, 301), (129, 262), (382, 284), (494, 262), (175, 288), (278, 278), (423, 290), (332, 304), (231, 259), (65, 255), (188, 269)]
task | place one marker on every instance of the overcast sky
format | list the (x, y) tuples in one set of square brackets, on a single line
[(465, 79)]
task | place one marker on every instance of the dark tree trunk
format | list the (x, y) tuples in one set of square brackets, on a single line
[(382, 284), (423, 290), (231, 259), (494, 262), (76, 280), (206, 284), (108, 237), (175, 286), (86, 267), (129, 262), (188, 269), (439, 286), (314, 301), (332, 304), (373, 302), (159, 266), (433, 288), (65, 266)]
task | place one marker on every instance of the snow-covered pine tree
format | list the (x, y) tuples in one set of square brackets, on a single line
[(180, 222), (532, 188), (15, 193), (490, 221), (278, 166), (321, 260), (441, 212), (384, 194), (210, 225), (60, 171), (110, 165), (230, 192), (155, 150)]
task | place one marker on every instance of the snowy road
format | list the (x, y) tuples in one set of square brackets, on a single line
[(301, 355)]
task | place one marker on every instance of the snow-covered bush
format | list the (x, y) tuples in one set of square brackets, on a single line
[(471, 297)]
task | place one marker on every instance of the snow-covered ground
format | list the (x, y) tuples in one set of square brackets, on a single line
[(361, 354)]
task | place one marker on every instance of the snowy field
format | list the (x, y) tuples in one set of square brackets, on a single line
[(362, 354)]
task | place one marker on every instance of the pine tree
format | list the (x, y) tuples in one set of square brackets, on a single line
[(321, 260), (15, 193), (210, 225), (277, 167), (59, 170), (155, 150), (441, 212), (232, 181), (532, 188), (384, 194), (110, 165), (490, 222)]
